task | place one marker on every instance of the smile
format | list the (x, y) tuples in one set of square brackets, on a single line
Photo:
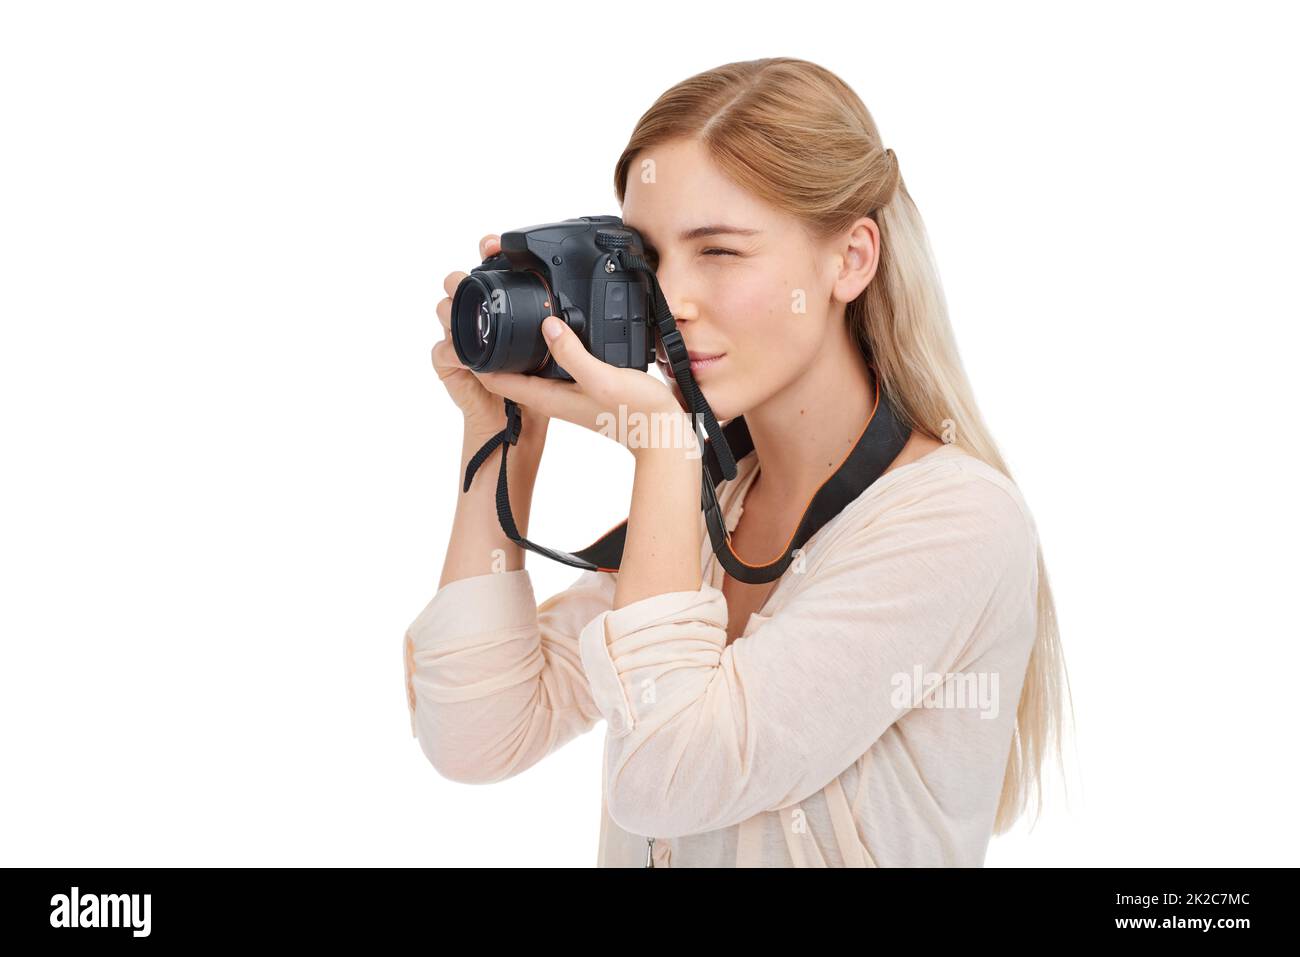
[(706, 363)]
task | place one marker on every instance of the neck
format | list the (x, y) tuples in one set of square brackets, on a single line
[(802, 433)]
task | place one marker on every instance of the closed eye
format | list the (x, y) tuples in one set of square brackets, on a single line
[(653, 256)]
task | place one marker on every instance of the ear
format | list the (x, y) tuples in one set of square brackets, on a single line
[(858, 253)]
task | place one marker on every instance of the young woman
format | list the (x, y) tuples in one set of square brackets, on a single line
[(890, 699)]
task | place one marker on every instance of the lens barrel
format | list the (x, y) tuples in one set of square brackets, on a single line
[(496, 320)]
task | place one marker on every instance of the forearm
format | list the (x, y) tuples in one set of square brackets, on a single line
[(661, 551), (478, 546)]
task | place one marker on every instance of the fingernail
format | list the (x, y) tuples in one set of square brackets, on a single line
[(551, 327)]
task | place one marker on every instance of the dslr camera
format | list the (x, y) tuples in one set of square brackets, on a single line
[(571, 269)]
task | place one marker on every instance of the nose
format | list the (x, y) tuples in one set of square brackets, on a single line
[(684, 313), (680, 303), (682, 310), (682, 307)]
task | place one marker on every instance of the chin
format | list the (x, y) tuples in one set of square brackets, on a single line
[(723, 406)]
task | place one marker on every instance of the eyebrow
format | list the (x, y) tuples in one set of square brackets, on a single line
[(715, 229)]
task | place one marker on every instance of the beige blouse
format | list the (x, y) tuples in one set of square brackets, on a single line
[(863, 718)]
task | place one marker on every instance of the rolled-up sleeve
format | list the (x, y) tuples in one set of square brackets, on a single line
[(627, 651), (493, 681), (703, 735)]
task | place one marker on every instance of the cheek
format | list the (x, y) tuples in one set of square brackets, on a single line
[(769, 341), (766, 328)]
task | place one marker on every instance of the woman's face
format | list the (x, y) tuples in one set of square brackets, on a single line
[(758, 294)]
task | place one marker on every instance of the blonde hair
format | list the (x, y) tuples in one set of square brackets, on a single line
[(795, 135)]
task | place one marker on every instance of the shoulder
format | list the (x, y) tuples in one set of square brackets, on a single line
[(949, 500), (996, 494)]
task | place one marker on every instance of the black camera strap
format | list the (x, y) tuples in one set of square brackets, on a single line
[(880, 442), (680, 362)]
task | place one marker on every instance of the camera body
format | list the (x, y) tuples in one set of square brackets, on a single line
[(567, 269)]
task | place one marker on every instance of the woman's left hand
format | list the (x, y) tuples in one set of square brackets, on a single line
[(602, 397)]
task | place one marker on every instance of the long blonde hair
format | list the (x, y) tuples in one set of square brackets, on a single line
[(795, 135)]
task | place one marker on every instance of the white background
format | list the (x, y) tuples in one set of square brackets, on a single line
[(229, 470)]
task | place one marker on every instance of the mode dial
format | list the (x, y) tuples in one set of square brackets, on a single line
[(611, 239)]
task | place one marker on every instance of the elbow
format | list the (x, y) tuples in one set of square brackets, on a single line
[(636, 817), (441, 757), (669, 792), (651, 818), (455, 758), (647, 809), (456, 769)]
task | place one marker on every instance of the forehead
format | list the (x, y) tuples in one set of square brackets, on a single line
[(675, 186)]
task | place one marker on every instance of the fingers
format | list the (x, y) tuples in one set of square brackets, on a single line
[(489, 245), (571, 354), (671, 381), (445, 360), (550, 397), (451, 281)]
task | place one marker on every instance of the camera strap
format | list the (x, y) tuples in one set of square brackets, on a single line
[(680, 361), (880, 442)]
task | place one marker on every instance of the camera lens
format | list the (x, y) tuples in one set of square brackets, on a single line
[(496, 321), (484, 325), (474, 348)]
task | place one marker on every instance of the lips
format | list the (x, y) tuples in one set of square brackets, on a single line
[(700, 359), (699, 365)]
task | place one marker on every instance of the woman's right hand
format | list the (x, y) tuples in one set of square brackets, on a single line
[(484, 411)]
